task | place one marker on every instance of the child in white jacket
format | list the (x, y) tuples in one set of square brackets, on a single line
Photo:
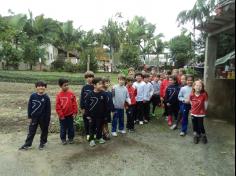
[(148, 93)]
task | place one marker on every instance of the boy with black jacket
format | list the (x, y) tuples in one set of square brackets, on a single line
[(95, 106), (39, 113), (87, 88), (171, 99)]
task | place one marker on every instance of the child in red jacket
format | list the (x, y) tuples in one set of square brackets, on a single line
[(163, 87), (67, 109)]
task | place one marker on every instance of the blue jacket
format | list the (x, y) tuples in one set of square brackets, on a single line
[(171, 95), (84, 93), (39, 106)]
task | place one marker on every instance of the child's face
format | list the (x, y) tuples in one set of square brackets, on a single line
[(171, 81), (156, 79), (40, 89), (183, 80), (190, 81), (139, 78), (107, 85), (146, 80), (198, 86), (89, 80), (131, 73), (175, 72), (129, 83), (65, 87), (99, 86), (121, 82)]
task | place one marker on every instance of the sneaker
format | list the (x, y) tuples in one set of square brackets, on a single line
[(122, 131), (41, 146), (141, 123), (131, 130), (196, 139), (182, 133), (173, 127), (204, 139), (71, 141), (92, 143), (114, 134), (136, 122), (63, 142), (25, 147), (87, 137), (102, 141), (145, 121)]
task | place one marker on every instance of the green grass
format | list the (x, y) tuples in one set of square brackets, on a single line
[(49, 77)]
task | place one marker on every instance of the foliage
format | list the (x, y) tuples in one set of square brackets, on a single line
[(181, 49)]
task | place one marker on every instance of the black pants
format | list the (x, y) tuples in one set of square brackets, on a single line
[(86, 124), (67, 127), (173, 110), (95, 127), (43, 123), (146, 110), (139, 111), (198, 125), (130, 117), (155, 102)]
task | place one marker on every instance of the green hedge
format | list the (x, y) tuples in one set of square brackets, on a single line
[(32, 77)]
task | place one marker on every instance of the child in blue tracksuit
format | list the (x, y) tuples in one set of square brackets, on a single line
[(87, 88), (171, 99), (110, 108), (185, 106), (39, 113)]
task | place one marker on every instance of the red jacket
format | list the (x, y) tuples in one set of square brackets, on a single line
[(132, 94), (163, 87), (198, 104), (66, 104)]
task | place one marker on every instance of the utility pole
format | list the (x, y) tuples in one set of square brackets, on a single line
[(88, 63)]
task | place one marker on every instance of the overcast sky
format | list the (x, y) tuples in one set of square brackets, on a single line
[(93, 14)]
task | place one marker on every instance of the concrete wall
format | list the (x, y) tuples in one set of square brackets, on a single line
[(221, 99), (221, 92)]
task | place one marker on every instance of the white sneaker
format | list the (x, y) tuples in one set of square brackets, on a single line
[(92, 143), (182, 133), (141, 123), (114, 134), (122, 131), (173, 127)]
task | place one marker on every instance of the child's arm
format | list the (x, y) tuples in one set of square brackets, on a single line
[(58, 108), (75, 106), (30, 108), (181, 95), (48, 109), (128, 100), (206, 101), (82, 105)]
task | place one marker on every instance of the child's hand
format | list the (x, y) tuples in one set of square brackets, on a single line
[(74, 115), (186, 101), (29, 120), (168, 104)]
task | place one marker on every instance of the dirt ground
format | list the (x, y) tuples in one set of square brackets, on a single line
[(153, 150)]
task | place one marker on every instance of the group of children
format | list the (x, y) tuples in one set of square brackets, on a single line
[(101, 104)]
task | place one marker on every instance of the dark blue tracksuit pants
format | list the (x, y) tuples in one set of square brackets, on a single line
[(118, 117), (185, 108), (67, 127)]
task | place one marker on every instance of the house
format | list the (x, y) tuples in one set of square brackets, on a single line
[(221, 89)]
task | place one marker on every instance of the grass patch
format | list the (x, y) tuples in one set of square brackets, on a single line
[(49, 77)]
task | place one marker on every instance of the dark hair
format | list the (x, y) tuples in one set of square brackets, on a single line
[(146, 75), (139, 74), (130, 79), (62, 81), (105, 79), (97, 80), (190, 76), (174, 78), (88, 74), (121, 76), (131, 69), (41, 84), (168, 72)]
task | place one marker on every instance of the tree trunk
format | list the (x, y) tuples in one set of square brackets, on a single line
[(68, 56)]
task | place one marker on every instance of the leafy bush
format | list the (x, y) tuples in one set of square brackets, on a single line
[(72, 68), (79, 125)]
